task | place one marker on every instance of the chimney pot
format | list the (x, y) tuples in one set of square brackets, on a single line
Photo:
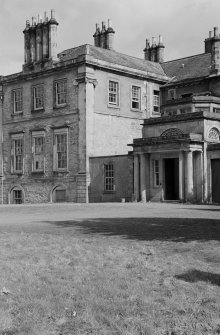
[(109, 23), (210, 34), (215, 31), (160, 39), (52, 13), (153, 41)]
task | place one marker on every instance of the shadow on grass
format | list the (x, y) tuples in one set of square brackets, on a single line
[(193, 276), (162, 229)]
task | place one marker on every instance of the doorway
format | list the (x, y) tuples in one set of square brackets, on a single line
[(171, 179), (215, 165)]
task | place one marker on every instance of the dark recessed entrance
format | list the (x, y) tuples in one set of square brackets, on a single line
[(215, 164), (171, 178)]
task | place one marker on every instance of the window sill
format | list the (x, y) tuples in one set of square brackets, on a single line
[(37, 110), (19, 173), (15, 114), (109, 192), (37, 172), (113, 106), (60, 106), (61, 171), (136, 110)]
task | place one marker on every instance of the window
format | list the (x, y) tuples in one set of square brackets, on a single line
[(156, 101), (17, 100), (113, 93), (17, 197), (60, 92), (38, 151), (172, 94), (60, 149), (38, 97), (135, 97), (156, 170), (17, 154), (109, 177)]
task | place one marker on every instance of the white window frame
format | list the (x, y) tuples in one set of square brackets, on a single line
[(35, 88), (58, 132), (109, 177), (15, 93), (136, 98), (57, 83), (112, 93), (156, 101), (37, 135), (15, 138), (156, 172)]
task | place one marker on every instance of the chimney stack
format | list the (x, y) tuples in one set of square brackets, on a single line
[(155, 52), (97, 36), (102, 36), (110, 36), (40, 42), (147, 50), (215, 52), (53, 36), (105, 37), (160, 50)]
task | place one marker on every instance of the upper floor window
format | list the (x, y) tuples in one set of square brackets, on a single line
[(60, 149), (171, 94), (156, 101), (38, 151), (109, 177), (136, 97), (113, 93), (60, 88), (38, 97), (17, 100), (17, 153)]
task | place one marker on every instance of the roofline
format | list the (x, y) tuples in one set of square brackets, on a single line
[(169, 61), (181, 117)]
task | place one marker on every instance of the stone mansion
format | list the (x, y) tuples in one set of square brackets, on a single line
[(90, 124)]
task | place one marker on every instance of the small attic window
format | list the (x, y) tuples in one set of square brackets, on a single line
[(182, 66)]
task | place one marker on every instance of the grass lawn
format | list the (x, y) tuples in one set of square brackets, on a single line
[(141, 275)]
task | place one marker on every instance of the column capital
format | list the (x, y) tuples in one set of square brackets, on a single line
[(86, 80)]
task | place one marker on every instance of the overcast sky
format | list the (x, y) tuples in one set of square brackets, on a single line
[(184, 24)]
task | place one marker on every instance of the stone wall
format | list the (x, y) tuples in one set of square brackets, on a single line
[(123, 179)]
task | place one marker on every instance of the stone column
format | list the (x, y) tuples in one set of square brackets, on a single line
[(147, 165), (136, 177), (143, 177), (181, 176), (199, 176), (205, 177), (189, 176)]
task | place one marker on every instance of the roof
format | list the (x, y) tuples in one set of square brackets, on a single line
[(111, 56), (188, 68)]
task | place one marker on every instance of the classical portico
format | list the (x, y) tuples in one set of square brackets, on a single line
[(174, 166)]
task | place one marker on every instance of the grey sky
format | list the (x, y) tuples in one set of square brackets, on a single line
[(184, 24)]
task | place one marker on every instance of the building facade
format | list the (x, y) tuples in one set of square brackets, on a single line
[(67, 121), (67, 118), (178, 158)]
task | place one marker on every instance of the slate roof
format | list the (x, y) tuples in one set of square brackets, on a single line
[(113, 57), (188, 67)]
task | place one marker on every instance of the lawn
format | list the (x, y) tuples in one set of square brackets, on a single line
[(108, 275)]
